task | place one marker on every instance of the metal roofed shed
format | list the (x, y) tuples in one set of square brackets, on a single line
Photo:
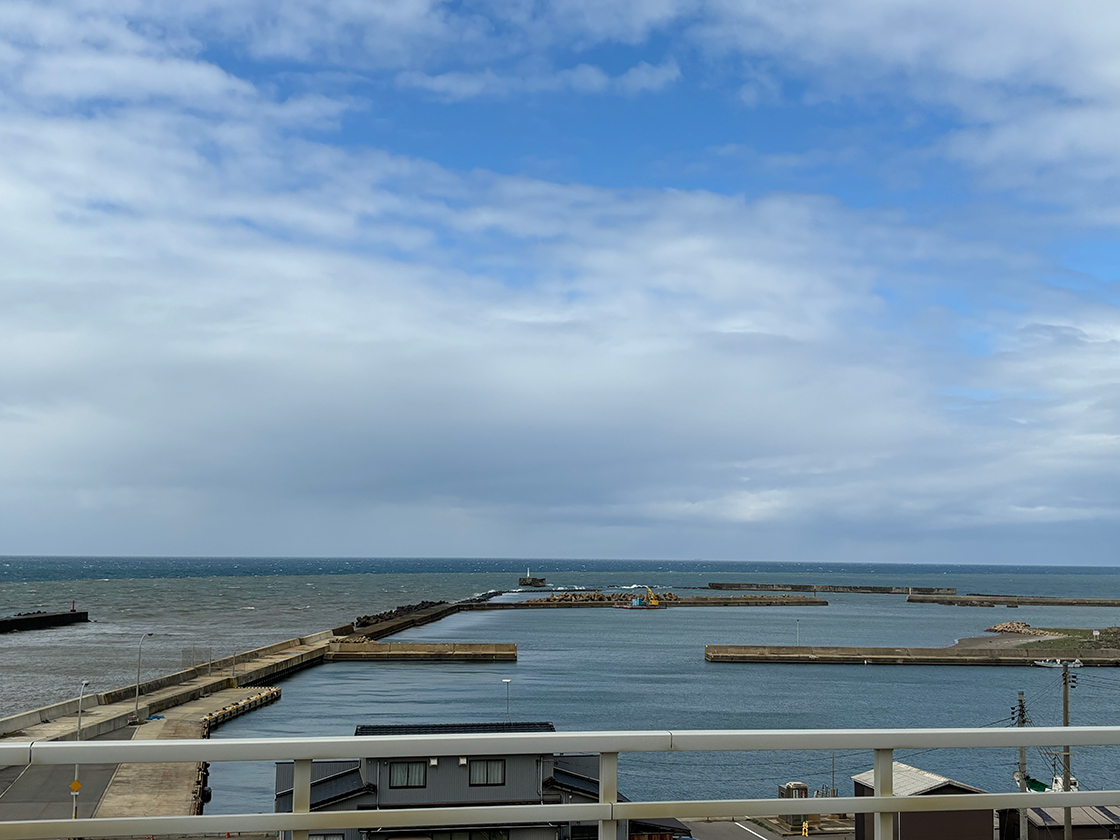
[(1088, 823), (913, 781)]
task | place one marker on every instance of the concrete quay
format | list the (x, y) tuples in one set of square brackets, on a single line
[(108, 711), (978, 600), (177, 788), (789, 654)]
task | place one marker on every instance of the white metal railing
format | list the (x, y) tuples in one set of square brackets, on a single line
[(883, 805)]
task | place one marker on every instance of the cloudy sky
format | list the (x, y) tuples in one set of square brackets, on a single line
[(763, 279)]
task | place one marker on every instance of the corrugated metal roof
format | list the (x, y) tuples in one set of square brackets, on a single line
[(912, 781), (1080, 816), (455, 728)]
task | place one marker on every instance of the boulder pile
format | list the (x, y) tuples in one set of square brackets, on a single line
[(1020, 627)]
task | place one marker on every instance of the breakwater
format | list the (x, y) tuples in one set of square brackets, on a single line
[(978, 600), (363, 651), (789, 654), (41, 620), (831, 587), (403, 618)]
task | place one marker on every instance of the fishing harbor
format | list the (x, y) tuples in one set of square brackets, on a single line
[(436, 637)]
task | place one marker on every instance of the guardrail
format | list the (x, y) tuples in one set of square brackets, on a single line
[(883, 805)]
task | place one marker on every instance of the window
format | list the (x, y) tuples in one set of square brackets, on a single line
[(491, 834), (408, 774), (488, 771)]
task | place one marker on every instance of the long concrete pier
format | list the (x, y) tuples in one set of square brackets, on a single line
[(978, 600), (365, 651), (832, 587), (790, 654)]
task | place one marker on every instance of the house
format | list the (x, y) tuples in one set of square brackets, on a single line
[(1088, 823), (911, 781), (456, 780)]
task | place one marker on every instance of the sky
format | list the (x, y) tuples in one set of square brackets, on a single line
[(755, 280)]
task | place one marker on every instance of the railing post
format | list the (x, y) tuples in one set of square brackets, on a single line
[(301, 793), (608, 792), (884, 786)]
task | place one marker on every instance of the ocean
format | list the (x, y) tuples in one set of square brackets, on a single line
[(593, 669)]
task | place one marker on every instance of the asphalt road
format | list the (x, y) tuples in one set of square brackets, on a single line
[(42, 792), (742, 830)]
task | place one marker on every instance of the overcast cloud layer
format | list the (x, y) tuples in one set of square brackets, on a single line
[(751, 280)]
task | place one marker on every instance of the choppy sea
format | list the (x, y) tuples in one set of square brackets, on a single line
[(593, 669)]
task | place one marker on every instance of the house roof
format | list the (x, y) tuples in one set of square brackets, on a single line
[(912, 781), (455, 728)]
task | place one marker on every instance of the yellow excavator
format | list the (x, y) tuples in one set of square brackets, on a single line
[(649, 601)]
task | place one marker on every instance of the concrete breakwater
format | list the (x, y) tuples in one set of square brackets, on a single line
[(41, 620), (790, 654), (978, 600), (829, 587), (364, 651), (403, 618)]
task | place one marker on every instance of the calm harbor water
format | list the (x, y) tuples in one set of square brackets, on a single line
[(595, 669)]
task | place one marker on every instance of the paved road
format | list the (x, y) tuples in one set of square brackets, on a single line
[(744, 830), (42, 792)]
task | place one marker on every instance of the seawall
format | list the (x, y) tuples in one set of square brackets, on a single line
[(978, 600), (805, 587), (790, 654)]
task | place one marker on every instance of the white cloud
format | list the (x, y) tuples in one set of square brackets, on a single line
[(583, 78), (216, 335)]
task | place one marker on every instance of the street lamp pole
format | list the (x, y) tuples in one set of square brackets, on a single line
[(508, 718), (76, 786), (139, 651)]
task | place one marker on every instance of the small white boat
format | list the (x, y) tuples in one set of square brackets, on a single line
[(1056, 663)]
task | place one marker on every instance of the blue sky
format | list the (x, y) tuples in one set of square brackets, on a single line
[(752, 280)]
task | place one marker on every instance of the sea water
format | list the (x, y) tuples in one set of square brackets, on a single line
[(580, 669)]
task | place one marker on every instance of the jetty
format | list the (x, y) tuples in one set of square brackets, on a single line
[(831, 587), (41, 620), (394, 621), (358, 650), (974, 599), (794, 655)]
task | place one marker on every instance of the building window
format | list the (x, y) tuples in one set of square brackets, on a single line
[(492, 834), (408, 774), (488, 771)]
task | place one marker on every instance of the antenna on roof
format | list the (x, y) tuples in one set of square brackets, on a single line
[(508, 718)]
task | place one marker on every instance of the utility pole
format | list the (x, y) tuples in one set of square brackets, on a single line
[(1021, 720), (1067, 830)]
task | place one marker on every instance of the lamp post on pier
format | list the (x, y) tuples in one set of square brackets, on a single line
[(139, 652), (75, 786)]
